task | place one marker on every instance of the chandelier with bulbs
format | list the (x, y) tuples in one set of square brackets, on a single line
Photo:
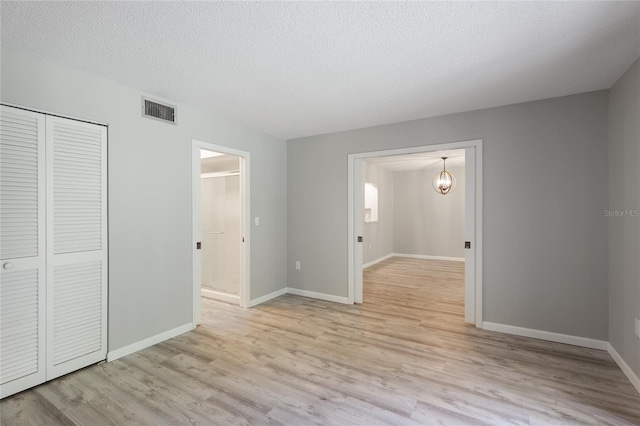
[(444, 182)]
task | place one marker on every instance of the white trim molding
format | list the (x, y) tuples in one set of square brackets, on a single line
[(267, 297), (145, 343), (380, 259), (412, 256), (220, 296), (633, 378), (428, 257), (546, 335), (298, 292), (320, 296), (219, 174)]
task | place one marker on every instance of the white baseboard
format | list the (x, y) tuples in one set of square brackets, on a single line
[(547, 335), (315, 295), (373, 262), (222, 297), (635, 381), (298, 292), (142, 344), (427, 256), (267, 297)]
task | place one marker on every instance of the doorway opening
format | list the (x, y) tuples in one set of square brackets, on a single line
[(469, 238), (220, 194), (220, 226)]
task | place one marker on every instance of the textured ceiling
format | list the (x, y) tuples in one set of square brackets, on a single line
[(294, 69), (423, 160)]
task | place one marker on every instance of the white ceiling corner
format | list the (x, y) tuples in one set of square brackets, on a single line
[(295, 69)]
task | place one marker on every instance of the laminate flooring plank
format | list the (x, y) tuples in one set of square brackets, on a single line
[(345, 412), (168, 378), (108, 409), (145, 397), (176, 404), (67, 391), (505, 402), (242, 388), (31, 408), (349, 385)]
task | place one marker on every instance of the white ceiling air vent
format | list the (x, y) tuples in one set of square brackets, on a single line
[(158, 111)]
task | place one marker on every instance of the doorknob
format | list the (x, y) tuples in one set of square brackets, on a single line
[(7, 266)]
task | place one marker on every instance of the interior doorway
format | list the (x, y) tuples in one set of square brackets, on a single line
[(220, 226), (220, 211), (472, 219)]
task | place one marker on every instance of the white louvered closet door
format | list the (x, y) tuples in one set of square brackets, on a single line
[(22, 250), (77, 245)]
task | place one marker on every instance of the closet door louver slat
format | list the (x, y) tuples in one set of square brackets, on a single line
[(77, 189), (16, 348), (77, 318), (18, 187)]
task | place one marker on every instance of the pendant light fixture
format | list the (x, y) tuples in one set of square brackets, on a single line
[(444, 182)]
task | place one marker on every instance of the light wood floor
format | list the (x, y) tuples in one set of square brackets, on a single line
[(403, 357)]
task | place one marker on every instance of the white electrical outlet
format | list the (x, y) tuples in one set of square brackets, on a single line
[(637, 327), (257, 221), (298, 266)]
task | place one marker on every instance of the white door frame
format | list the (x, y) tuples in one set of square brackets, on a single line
[(245, 282), (473, 286)]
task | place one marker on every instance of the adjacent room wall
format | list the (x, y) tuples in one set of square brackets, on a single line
[(623, 219), (150, 252), (545, 188), (428, 223), (378, 236)]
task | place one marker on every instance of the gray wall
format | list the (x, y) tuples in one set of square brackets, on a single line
[(624, 231), (545, 188), (413, 218), (378, 236), (150, 255), (428, 223)]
